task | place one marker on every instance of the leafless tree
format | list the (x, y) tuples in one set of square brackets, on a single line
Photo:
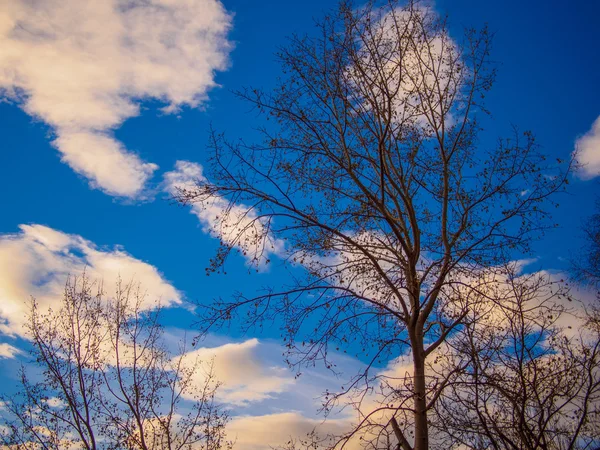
[(530, 363), (585, 266), (108, 381), (530, 375), (373, 179)]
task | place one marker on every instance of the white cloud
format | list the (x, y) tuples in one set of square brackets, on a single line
[(271, 430), (83, 66), (246, 376), (55, 402), (588, 152), (37, 260), (397, 61), (8, 351), (276, 430), (236, 225)]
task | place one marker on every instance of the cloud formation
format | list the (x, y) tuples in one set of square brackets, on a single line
[(236, 225), (402, 65), (8, 351), (259, 432), (37, 260), (246, 377), (588, 152), (83, 66)]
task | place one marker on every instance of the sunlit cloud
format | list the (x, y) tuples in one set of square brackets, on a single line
[(235, 225), (273, 430), (37, 260), (84, 66), (405, 64), (246, 377), (587, 149), (8, 351)]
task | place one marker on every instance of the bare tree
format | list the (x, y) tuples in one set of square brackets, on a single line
[(108, 382), (530, 376), (373, 179), (585, 266), (530, 373)]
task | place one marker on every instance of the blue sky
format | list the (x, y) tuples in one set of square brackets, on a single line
[(547, 82)]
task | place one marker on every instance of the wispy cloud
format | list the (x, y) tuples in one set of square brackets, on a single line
[(236, 225), (37, 260), (83, 66), (588, 152), (8, 351)]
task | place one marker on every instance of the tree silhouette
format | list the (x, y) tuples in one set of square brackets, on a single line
[(107, 380), (372, 178)]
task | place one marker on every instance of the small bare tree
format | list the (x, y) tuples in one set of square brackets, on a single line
[(373, 179), (530, 372), (585, 266), (108, 382)]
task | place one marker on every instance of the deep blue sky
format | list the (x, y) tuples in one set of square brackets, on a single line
[(547, 83)]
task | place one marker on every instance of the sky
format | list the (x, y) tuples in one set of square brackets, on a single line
[(105, 107)]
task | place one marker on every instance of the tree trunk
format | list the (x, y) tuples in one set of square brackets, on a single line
[(420, 404)]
